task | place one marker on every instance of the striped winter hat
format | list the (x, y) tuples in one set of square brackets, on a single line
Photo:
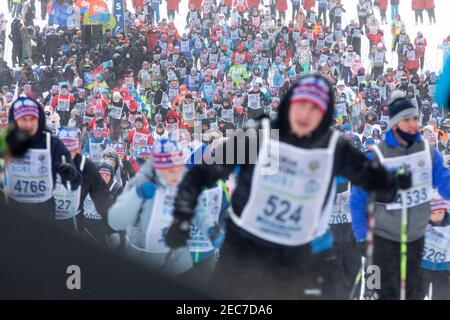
[(25, 107), (313, 89), (69, 137), (119, 148), (106, 168), (438, 203), (167, 154)]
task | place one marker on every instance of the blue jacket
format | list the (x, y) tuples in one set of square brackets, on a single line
[(358, 199), (86, 148)]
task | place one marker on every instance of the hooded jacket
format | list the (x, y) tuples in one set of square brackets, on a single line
[(387, 223), (348, 162), (57, 151)]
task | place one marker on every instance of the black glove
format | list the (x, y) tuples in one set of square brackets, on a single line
[(362, 248), (178, 234), (404, 179), (68, 172), (18, 142)]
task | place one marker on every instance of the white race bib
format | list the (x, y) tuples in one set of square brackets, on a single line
[(209, 202), (160, 221), (29, 179), (292, 184), (420, 165)]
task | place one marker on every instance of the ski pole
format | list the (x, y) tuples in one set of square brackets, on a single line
[(167, 259), (403, 248)]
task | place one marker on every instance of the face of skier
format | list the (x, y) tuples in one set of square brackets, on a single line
[(409, 125), (172, 175), (106, 177), (437, 216), (304, 118), (28, 124), (97, 134)]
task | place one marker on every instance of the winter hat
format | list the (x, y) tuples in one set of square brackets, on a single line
[(400, 109), (347, 127), (437, 203), (369, 142), (69, 137), (144, 152), (167, 154), (25, 107), (106, 168), (116, 96), (312, 89), (119, 148)]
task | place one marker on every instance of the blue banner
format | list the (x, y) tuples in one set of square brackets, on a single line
[(119, 15)]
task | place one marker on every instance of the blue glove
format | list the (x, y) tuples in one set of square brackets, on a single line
[(146, 190), (217, 236)]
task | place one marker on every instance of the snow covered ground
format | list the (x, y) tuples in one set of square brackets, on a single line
[(433, 33)]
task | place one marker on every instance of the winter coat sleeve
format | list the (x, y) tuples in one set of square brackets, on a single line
[(97, 190), (441, 175), (207, 174), (358, 202), (353, 165), (124, 212), (58, 150)]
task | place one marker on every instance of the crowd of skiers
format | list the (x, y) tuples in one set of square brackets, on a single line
[(121, 125)]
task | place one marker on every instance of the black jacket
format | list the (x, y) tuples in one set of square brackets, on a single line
[(93, 185), (348, 162)]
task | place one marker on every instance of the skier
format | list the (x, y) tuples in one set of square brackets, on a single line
[(268, 251), (402, 147), (93, 194), (436, 253), (32, 178), (144, 211)]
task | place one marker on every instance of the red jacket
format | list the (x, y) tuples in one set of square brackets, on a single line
[(138, 4), (420, 47), (54, 101), (240, 5), (229, 3), (143, 130), (172, 4), (253, 3), (309, 4), (383, 4), (282, 5), (196, 3), (429, 4), (418, 4), (411, 63)]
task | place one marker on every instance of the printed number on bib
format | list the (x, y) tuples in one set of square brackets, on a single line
[(24, 186), (281, 210)]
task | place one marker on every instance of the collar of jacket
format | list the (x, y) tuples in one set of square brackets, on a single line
[(391, 140)]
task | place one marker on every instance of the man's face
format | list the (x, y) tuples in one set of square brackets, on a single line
[(97, 133), (28, 124), (139, 125), (173, 175), (106, 177), (304, 118), (409, 125)]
